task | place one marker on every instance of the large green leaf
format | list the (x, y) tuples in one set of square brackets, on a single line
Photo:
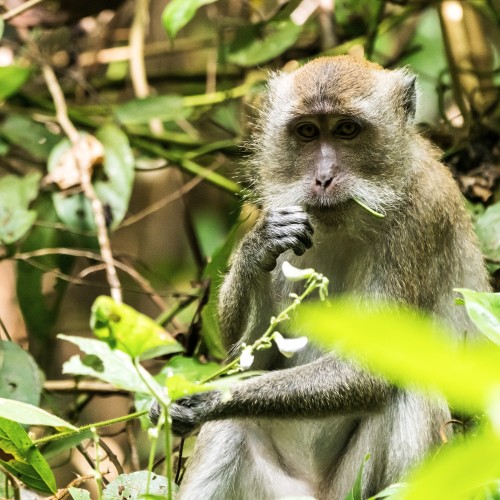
[(104, 363), (29, 135), (31, 415), (214, 272), (20, 377), (124, 328), (179, 12), (79, 494), (484, 309), (393, 491), (353, 17), (20, 457), (406, 348), (14, 223), (19, 191), (163, 107), (487, 225), (16, 194), (132, 486), (192, 369), (457, 470), (113, 186), (12, 78), (39, 302), (262, 42), (182, 376), (65, 444)]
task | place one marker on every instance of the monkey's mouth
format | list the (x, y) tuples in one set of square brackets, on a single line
[(327, 204)]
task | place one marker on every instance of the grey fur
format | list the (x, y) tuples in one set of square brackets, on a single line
[(304, 427)]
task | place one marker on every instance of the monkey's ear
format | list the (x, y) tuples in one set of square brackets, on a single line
[(409, 95)]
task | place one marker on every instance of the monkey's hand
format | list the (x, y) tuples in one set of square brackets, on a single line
[(190, 412), (277, 231), (187, 413)]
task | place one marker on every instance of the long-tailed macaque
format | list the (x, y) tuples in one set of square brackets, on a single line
[(331, 131)]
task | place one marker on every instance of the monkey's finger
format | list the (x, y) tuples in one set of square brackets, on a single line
[(155, 412), (292, 243), (302, 232), (299, 250), (274, 219), (280, 231), (183, 421), (290, 210), (301, 247)]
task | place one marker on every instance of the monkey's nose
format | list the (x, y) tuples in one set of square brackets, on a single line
[(324, 182)]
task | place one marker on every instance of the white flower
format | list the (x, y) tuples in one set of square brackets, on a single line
[(292, 273), (246, 358), (288, 347), (153, 433)]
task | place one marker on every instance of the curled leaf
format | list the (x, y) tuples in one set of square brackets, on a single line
[(65, 172), (288, 347), (124, 328), (293, 273)]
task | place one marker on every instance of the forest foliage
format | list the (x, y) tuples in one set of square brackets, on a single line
[(122, 174)]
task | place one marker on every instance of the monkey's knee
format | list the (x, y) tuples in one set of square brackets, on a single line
[(236, 460)]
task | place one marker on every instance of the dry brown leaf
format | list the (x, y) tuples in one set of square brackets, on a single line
[(81, 157)]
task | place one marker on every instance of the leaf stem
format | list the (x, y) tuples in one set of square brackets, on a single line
[(317, 280), (165, 402), (98, 475), (368, 209), (83, 428)]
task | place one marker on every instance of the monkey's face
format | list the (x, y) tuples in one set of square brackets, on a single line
[(334, 131)]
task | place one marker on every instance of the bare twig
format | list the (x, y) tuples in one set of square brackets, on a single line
[(85, 180), (42, 252), (213, 54), (92, 462), (123, 53), (14, 482), (59, 103), (161, 203), (73, 386), (137, 31), (61, 227), (137, 65), (137, 277), (112, 457), (132, 442), (88, 254), (64, 493), (5, 331), (179, 461), (16, 11)]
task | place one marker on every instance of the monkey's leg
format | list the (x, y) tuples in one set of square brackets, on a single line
[(414, 422), (236, 460)]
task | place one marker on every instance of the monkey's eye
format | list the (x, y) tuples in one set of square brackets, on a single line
[(347, 129), (307, 131)]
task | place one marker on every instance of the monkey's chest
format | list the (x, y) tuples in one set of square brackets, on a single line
[(307, 448)]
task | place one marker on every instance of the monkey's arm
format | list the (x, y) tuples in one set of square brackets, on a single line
[(324, 387), (246, 297)]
